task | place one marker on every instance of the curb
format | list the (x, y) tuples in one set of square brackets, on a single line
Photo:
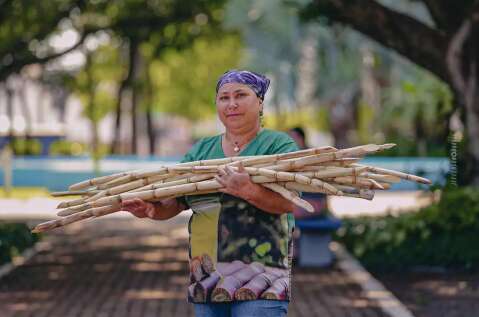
[(372, 288)]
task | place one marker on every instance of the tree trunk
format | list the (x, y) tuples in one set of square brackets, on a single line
[(9, 92), (126, 82), (134, 129), (342, 116), (114, 148), (136, 69), (150, 127), (91, 109), (463, 65)]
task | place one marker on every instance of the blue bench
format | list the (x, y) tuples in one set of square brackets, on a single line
[(315, 236)]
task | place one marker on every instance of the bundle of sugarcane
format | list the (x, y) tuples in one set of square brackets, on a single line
[(322, 170)]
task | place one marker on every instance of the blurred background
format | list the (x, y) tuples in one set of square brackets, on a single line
[(92, 87)]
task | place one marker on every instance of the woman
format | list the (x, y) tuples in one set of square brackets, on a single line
[(245, 221)]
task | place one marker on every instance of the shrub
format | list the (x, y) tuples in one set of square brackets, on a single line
[(14, 238), (26, 146), (444, 234)]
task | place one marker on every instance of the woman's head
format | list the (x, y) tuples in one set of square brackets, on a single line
[(239, 99)]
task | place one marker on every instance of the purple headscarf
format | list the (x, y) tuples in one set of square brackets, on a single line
[(257, 82)]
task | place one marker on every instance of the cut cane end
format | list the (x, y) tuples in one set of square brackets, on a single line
[(41, 228), (79, 186), (62, 205), (371, 147), (388, 146), (424, 181)]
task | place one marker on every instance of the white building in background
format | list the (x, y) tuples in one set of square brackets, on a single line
[(28, 106)]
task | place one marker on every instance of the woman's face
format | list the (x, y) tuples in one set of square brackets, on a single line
[(238, 106)]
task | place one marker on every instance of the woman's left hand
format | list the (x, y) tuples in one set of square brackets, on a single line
[(237, 183)]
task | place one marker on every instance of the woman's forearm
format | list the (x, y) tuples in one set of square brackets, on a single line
[(267, 200), (168, 208)]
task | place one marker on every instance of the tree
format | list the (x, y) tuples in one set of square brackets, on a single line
[(27, 27), (93, 85), (178, 76), (448, 48)]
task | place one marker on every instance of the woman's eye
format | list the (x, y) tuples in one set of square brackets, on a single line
[(223, 98)]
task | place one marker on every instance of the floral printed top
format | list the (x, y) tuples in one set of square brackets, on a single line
[(234, 245)]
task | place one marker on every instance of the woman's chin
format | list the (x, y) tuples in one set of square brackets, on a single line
[(235, 123)]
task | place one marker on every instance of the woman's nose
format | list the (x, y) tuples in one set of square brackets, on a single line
[(232, 103)]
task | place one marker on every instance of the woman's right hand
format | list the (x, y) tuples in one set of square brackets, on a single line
[(139, 208)]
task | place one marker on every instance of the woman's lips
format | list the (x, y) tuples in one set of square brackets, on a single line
[(234, 115)]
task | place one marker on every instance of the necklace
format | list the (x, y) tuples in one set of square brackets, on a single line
[(236, 146)]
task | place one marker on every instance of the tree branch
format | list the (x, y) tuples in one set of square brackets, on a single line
[(454, 56), (448, 15), (32, 59), (412, 39)]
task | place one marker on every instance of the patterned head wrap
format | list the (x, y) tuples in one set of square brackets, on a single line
[(257, 82)]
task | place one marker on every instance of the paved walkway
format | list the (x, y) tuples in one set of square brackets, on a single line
[(125, 267)]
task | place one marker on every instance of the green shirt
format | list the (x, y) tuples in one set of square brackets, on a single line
[(225, 228)]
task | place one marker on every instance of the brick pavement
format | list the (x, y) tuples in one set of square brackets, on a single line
[(128, 267)]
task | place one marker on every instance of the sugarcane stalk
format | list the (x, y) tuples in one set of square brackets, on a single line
[(75, 209), (342, 162), (382, 178), (360, 181), (401, 175), (287, 194), (336, 172), (188, 178), (346, 190), (72, 203), (74, 193), (96, 181), (97, 212)]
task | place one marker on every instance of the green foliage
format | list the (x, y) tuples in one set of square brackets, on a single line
[(14, 238), (68, 148), (365, 121), (444, 234), (417, 99), (183, 81), (26, 27), (96, 83), (307, 117), (24, 146)]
